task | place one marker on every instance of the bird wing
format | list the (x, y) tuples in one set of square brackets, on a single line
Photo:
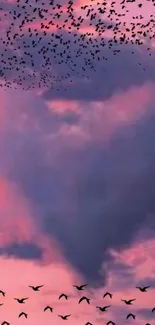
[(81, 299), (146, 287), (68, 315), (40, 286)]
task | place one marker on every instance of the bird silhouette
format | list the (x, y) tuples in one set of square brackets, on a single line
[(130, 315), (5, 323), (143, 289), (36, 288), (108, 294), (88, 323), (80, 287), (63, 295), (110, 322), (64, 317), (23, 314), (21, 301), (48, 307), (84, 298), (128, 302), (103, 308), (153, 309), (3, 293)]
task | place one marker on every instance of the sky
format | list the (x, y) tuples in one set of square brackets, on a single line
[(77, 189)]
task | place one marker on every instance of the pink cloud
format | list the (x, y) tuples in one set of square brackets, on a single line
[(18, 223), (102, 119)]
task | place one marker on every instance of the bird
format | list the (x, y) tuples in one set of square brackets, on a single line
[(24, 314), (110, 322), (64, 317), (88, 323), (3, 293), (143, 289), (128, 302), (153, 309), (21, 301), (84, 298), (36, 288), (130, 315), (48, 307), (1, 304), (63, 295), (103, 308), (5, 322), (108, 294), (80, 287)]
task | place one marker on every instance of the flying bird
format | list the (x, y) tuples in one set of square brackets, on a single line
[(21, 301), (128, 302), (110, 322), (64, 317), (153, 309), (3, 293), (48, 307), (108, 294), (143, 289), (84, 298), (80, 287), (103, 308), (23, 314), (63, 295), (5, 323), (36, 288), (130, 315), (88, 323)]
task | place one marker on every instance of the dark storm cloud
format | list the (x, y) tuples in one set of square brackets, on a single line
[(26, 251), (92, 199)]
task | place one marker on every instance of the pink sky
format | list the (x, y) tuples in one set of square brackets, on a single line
[(34, 127)]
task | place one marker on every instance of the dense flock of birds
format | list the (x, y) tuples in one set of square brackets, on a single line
[(48, 43), (83, 298)]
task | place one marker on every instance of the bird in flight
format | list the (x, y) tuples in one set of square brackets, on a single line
[(130, 315), (1, 304), (21, 301), (110, 322), (103, 308), (5, 323), (36, 288), (143, 289), (128, 302), (153, 309), (80, 287), (64, 317), (48, 307), (88, 323), (63, 295), (3, 293), (84, 298), (108, 294), (23, 314)]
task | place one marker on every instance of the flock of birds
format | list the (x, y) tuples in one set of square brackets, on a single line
[(41, 40), (83, 298)]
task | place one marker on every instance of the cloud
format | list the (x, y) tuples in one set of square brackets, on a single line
[(92, 196)]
